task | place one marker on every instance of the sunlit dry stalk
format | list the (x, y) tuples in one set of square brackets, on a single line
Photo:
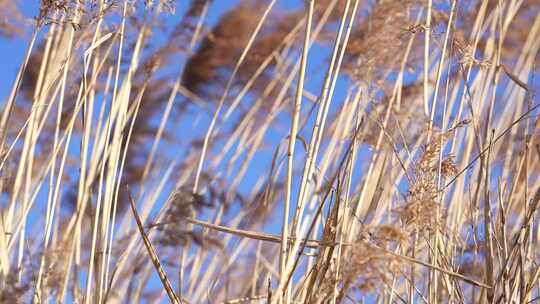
[(292, 142), (325, 99)]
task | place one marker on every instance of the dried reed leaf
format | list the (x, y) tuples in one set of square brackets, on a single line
[(152, 254)]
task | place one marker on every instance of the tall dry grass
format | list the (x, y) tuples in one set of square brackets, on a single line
[(340, 151)]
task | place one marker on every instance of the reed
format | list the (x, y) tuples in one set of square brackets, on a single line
[(328, 151)]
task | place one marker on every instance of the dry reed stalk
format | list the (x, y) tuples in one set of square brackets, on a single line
[(325, 99), (292, 142), (152, 253)]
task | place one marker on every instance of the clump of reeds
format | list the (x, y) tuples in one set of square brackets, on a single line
[(118, 95)]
